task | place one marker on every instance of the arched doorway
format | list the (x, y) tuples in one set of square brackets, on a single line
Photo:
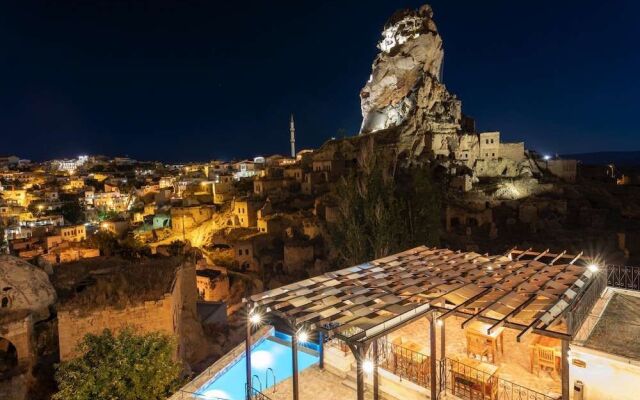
[(8, 357)]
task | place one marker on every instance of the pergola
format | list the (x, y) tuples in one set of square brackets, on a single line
[(523, 290)]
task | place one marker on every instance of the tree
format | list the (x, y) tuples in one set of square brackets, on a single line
[(126, 366), (384, 208), (72, 212)]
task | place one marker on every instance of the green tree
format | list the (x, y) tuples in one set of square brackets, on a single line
[(72, 212), (126, 366), (105, 241), (384, 209)]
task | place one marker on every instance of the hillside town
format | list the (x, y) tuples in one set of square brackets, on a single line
[(191, 250)]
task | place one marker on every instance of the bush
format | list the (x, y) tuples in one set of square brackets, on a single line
[(126, 366)]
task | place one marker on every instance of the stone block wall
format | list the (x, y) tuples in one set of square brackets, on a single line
[(146, 317)]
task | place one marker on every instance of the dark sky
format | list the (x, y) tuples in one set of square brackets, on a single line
[(197, 80)]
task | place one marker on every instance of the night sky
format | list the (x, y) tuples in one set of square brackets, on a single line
[(198, 80)]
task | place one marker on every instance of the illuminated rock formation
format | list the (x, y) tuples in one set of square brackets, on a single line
[(404, 90)]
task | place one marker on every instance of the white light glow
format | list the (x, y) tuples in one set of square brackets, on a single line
[(593, 268), (261, 359), (215, 394), (439, 322), (303, 337), (547, 157), (255, 318), (367, 366)]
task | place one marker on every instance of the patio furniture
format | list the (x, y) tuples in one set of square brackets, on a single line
[(408, 361), (546, 355), (472, 379), (482, 345)]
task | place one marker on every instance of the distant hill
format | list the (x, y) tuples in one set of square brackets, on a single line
[(618, 158)]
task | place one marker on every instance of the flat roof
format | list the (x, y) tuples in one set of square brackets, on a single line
[(618, 328), (523, 290)]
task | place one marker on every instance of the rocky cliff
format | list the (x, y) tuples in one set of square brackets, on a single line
[(405, 93)]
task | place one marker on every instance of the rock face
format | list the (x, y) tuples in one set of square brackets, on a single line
[(24, 288), (404, 90)]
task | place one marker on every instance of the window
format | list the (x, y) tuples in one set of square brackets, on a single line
[(240, 252)]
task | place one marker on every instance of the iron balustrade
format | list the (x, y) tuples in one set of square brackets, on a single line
[(623, 276), (404, 363), (469, 383), (255, 394)]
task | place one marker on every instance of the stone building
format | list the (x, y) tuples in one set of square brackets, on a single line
[(246, 212), (213, 284), (25, 298)]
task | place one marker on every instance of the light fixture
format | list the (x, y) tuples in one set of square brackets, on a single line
[(255, 318), (593, 268), (547, 157), (367, 366), (303, 337), (439, 322)]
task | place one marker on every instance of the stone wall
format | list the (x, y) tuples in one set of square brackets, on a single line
[(296, 257), (166, 315), (20, 334), (512, 151), (147, 317)]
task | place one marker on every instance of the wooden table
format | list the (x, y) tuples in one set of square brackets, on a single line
[(546, 354), (483, 345), (473, 379)]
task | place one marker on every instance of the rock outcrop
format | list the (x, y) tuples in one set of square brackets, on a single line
[(404, 91)]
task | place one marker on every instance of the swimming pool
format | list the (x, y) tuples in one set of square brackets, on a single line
[(230, 384)]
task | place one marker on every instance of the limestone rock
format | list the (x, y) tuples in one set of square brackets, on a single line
[(404, 90), (24, 288)]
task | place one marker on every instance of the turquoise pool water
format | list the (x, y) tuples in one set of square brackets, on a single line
[(267, 354)]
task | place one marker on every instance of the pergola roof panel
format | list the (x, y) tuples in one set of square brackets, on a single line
[(517, 289)]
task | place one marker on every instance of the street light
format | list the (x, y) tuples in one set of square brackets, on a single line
[(593, 268)]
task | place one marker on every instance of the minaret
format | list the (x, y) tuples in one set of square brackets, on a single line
[(292, 131)]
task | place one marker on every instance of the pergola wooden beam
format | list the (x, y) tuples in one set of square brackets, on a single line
[(356, 297)]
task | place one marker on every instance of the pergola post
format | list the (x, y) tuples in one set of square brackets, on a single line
[(359, 351), (247, 352), (443, 348), (565, 369), (375, 370), (321, 352), (294, 363), (432, 355), (359, 378)]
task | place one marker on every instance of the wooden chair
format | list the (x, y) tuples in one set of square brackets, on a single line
[(546, 358)]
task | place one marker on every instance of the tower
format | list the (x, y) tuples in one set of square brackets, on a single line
[(292, 131)]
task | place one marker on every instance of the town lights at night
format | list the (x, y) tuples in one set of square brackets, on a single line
[(283, 241)]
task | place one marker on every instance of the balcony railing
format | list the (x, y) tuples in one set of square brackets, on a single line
[(404, 363), (469, 383), (623, 276)]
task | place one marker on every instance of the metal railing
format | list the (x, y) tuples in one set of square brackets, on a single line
[(584, 304), (404, 363), (255, 394), (470, 383), (623, 276)]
